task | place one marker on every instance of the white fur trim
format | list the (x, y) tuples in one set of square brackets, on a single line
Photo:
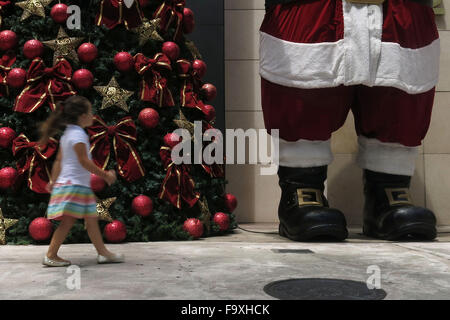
[(392, 158), (359, 58), (304, 153)]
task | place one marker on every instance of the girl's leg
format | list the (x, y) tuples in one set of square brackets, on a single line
[(96, 236), (59, 235)]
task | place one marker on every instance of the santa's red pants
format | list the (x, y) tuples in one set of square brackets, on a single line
[(322, 58)]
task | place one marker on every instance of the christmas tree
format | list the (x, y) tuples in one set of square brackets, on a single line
[(133, 61)]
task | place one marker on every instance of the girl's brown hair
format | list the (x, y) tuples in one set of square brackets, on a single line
[(66, 112)]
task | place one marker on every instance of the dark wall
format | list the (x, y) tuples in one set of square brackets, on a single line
[(208, 36)]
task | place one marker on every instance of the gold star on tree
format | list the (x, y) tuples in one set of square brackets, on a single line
[(64, 46), (148, 30), (193, 49), (31, 7), (5, 224), (103, 209), (205, 214), (114, 95), (184, 123)]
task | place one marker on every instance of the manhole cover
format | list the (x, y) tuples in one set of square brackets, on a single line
[(322, 289)]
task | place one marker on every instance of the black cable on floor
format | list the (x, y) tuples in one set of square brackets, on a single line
[(257, 231)]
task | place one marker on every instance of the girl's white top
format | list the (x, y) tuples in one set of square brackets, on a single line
[(71, 170)]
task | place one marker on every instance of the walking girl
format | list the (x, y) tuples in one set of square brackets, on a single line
[(71, 195)]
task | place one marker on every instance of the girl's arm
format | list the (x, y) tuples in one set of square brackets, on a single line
[(56, 169), (89, 165)]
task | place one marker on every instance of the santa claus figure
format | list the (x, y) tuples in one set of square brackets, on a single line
[(319, 60)]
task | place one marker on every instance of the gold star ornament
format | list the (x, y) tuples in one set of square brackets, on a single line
[(5, 224), (184, 123), (205, 213), (33, 7), (148, 30), (64, 46), (114, 95), (103, 209)]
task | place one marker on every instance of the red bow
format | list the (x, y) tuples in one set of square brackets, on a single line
[(171, 12), (8, 59), (3, 4), (154, 87), (215, 170), (191, 86), (45, 85), (33, 159), (114, 12), (177, 184), (124, 139)]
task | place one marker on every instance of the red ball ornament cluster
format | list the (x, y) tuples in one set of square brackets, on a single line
[(194, 227), (8, 40), (8, 177), (222, 220), (171, 49), (148, 118), (230, 202), (7, 136), (172, 139), (115, 231), (33, 49), (97, 183), (59, 13), (40, 229), (142, 205), (87, 52), (124, 61), (83, 79)]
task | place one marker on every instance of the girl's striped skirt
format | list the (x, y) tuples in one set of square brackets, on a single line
[(72, 200)]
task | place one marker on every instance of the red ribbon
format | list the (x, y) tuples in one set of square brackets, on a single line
[(177, 184), (171, 14), (115, 12), (123, 136), (8, 59), (190, 88), (154, 85), (215, 170), (45, 85), (33, 160)]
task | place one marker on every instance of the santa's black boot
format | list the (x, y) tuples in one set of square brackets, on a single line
[(388, 211), (303, 211)]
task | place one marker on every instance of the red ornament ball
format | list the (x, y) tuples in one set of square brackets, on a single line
[(33, 49), (123, 61), (194, 227), (199, 67), (83, 79), (16, 78), (97, 183), (142, 205), (230, 202), (171, 49), (8, 177), (222, 220), (209, 91), (188, 21), (210, 112), (8, 40), (87, 52), (7, 136), (149, 118), (171, 139), (40, 229), (59, 13), (115, 231)]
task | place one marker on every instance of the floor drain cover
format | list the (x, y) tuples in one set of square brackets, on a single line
[(322, 289)]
